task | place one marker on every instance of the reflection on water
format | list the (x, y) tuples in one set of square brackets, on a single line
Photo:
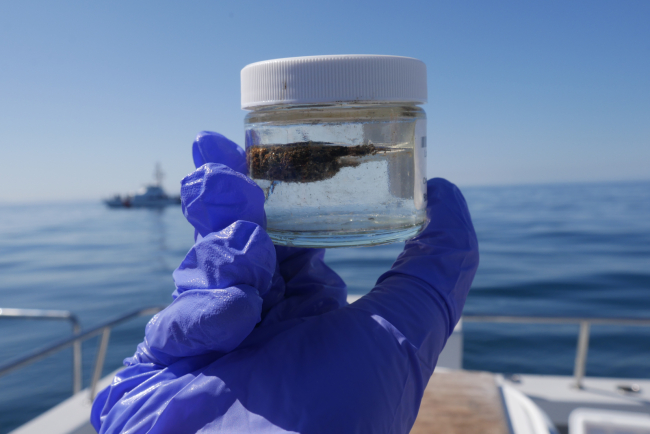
[(158, 232)]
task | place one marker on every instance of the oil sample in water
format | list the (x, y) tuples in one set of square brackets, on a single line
[(304, 161), (326, 189)]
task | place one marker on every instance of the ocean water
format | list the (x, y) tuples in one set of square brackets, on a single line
[(575, 249)]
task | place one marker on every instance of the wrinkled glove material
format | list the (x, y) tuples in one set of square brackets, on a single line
[(259, 338)]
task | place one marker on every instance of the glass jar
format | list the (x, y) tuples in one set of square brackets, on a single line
[(339, 173)]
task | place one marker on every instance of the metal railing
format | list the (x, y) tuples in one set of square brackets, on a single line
[(61, 315), (582, 347), (75, 341), (105, 330)]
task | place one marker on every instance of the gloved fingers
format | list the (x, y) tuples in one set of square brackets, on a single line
[(203, 321), (218, 300), (211, 197), (211, 147), (214, 196), (241, 254)]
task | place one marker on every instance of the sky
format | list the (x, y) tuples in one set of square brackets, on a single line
[(93, 94)]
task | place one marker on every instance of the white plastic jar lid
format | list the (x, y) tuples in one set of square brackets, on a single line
[(331, 79)]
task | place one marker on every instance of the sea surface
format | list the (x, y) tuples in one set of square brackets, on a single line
[(556, 250)]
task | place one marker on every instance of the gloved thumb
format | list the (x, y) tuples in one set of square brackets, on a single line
[(423, 294), (444, 255)]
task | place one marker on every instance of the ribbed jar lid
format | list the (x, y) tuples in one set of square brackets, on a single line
[(339, 78)]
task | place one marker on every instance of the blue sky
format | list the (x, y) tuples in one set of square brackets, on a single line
[(93, 94)]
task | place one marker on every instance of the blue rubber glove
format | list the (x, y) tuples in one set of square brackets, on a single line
[(260, 339)]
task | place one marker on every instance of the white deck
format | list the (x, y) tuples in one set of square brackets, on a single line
[(72, 416), (557, 396)]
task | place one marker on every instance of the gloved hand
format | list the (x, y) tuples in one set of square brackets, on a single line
[(260, 339)]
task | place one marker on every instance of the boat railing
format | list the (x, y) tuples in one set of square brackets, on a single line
[(105, 328), (582, 346), (75, 341)]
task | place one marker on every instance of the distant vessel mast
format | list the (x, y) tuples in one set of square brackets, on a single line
[(158, 175)]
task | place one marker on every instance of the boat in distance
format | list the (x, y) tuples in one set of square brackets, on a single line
[(151, 196)]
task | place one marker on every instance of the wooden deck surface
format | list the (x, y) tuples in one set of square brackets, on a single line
[(461, 402)]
